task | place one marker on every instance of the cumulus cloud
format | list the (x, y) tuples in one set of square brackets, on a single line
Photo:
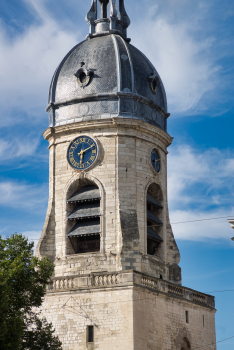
[(21, 147), (170, 35), (200, 186), (32, 236), (210, 172), (23, 196), (28, 62), (213, 225), (187, 61)]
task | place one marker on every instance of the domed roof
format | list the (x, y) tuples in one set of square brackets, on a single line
[(105, 76)]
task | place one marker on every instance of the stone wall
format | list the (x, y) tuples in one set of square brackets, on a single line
[(160, 323), (128, 311), (123, 174)]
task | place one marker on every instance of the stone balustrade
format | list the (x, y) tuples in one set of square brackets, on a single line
[(128, 278), (61, 283), (149, 282), (105, 280)]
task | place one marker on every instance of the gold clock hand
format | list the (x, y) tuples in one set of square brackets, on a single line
[(81, 155), (88, 148)]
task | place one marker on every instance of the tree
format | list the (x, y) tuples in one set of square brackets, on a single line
[(23, 280)]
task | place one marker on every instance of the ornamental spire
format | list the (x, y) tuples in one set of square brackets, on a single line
[(108, 23)]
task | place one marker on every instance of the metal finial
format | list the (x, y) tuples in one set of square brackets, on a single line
[(123, 17), (92, 16), (113, 14), (113, 8), (104, 4)]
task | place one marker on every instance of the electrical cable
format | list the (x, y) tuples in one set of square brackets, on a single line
[(221, 291), (220, 341), (173, 223)]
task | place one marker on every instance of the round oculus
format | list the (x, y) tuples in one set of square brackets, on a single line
[(82, 152), (154, 81), (155, 160)]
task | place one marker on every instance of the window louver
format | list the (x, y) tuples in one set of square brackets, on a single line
[(154, 224), (85, 234)]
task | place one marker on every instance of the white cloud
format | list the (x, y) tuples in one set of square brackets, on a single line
[(200, 186), (23, 196), (209, 172), (33, 236), (21, 147), (215, 229), (170, 35), (28, 62)]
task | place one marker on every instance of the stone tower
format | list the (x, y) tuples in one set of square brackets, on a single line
[(116, 283)]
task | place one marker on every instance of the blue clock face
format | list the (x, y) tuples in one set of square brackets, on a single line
[(82, 152), (155, 160)]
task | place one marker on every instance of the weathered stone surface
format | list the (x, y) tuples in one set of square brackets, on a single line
[(123, 174), (126, 294), (129, 310)]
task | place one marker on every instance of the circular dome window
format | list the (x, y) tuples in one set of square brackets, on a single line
[(153, 80), (83, 76)]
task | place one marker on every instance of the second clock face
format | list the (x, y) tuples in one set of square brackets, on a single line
[(155, 160), (82, 152)]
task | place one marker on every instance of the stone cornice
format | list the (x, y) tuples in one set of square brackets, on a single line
[(123, 126)]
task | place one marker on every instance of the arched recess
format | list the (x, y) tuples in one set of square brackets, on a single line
[(154, 220), (185, 344), (84, 224)]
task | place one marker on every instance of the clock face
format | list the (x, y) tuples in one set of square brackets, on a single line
[(82, 152), (155, 160)]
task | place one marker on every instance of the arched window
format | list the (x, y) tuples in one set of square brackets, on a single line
[(185, 344), (84, 220), (154, 223)]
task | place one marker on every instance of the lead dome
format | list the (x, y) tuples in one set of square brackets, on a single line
[(106, 77)]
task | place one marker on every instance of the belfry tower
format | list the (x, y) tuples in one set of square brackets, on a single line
[(117, 282)]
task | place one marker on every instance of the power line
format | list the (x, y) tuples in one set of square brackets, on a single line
[(221, 291), (184, 222), (173, 223), (220, 341)]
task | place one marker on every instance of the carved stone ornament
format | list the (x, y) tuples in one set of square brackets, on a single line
[(83, 75), (154, 81)]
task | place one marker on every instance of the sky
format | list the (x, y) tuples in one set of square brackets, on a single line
[(191, 44)]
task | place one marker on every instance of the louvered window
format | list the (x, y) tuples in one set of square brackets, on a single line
[(154, 224), (85, 219)]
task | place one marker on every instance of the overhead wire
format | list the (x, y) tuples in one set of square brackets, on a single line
[(173, 223), (220, 341)]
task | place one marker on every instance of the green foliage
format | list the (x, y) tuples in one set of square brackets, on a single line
[(23, 280), (40, 336)]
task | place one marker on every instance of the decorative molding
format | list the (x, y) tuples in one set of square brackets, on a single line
[(126, 279)]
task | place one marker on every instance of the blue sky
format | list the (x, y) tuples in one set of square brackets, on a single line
[(191, 44)]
